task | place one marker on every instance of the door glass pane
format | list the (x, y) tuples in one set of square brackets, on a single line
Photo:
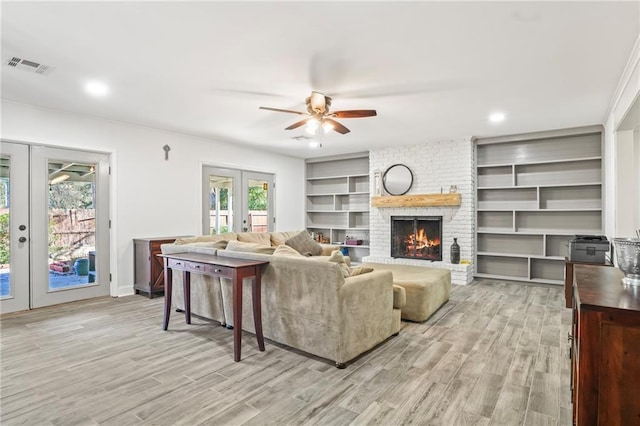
[(220, 204), (257, 200), (5, 250), (72, 225)]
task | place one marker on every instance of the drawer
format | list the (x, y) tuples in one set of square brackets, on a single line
[(177, 264), (220, 271), (196, 267)]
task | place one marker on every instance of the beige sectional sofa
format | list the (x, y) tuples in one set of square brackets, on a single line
[(307, 302)]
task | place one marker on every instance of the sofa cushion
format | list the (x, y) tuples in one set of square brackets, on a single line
[(279, 238), (207, 238), (283, 250), (255, 237), (303, 243), (358, 270), (250, 247), (338, 258)]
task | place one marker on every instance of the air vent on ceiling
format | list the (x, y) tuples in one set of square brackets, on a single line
[(26, 65)]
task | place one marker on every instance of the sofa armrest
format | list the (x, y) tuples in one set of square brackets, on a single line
[(366, 310)]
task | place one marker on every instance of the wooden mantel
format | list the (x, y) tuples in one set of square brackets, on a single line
[(416, 200)]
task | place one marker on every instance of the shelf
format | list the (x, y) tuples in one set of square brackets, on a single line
[(533, 163), (534, 193), (586, 209), (485, 253), (337, 199), (417, 200), (559, 185), (339, 176)]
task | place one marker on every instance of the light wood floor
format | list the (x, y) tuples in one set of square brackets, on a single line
[(495, 354)]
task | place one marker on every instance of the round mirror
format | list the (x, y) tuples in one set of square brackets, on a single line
[(397, 180)]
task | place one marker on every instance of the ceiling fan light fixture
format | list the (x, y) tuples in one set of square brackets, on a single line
[(327, 127), (312, 126)]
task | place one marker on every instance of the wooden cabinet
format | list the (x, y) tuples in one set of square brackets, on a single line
[(534, 192), (605, 362), (149, 269), (568, 279)]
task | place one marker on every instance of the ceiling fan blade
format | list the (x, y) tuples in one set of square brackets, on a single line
[(337, 126), (355, 113), (283, 110), (298, 124)]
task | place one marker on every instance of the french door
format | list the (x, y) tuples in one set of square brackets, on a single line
[(236, 200), (55, 245)]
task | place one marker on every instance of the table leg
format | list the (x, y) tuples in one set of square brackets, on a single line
[(237, 317), (257, 308), (168, 282), (186, 285)]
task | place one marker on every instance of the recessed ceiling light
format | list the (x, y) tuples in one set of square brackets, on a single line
[(96, 88), (496, 117)]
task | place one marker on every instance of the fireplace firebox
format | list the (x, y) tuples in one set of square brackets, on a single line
[(416, 237)]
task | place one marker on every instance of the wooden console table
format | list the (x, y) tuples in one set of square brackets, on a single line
[(216, 266)]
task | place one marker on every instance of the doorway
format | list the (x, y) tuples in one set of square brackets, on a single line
[(54, 226), (237, 201)]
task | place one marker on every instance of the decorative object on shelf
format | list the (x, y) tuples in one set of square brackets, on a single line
[(453, 189), (628, 259), (397, 179), (350, 241), (455, 252), (377, 183), (344, 251)]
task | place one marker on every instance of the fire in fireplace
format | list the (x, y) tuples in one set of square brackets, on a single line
[(416, 237)]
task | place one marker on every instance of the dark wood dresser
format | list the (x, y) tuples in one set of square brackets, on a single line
[(148, 268), (568, 278), (605, 362)]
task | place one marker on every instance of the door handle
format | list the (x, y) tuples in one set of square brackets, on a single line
[(22, 239)]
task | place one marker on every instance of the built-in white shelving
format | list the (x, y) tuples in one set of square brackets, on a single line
[(337, 200), (534, 193)]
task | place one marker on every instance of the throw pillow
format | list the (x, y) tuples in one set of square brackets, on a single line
[(338, 258), (279, 238), (359, 270), (255, 237), (249, 247), (283, 250), (303, 244)]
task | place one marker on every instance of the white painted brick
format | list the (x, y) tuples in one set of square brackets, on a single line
[(435, 167)]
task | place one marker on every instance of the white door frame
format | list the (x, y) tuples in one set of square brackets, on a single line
[(18, 299), (40, 294), (240, 204)]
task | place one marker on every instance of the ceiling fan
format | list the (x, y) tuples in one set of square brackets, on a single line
[(318, 114)]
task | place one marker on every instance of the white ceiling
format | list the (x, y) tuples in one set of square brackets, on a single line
[(432, 70)]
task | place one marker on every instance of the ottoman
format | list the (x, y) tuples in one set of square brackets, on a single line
[(426, 289)]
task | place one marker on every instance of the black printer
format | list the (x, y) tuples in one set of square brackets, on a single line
[(588, 248)]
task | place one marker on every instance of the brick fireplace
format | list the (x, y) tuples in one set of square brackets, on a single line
[(435, 166)]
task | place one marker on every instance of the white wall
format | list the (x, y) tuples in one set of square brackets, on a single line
[(151, 197), (621, 159)]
